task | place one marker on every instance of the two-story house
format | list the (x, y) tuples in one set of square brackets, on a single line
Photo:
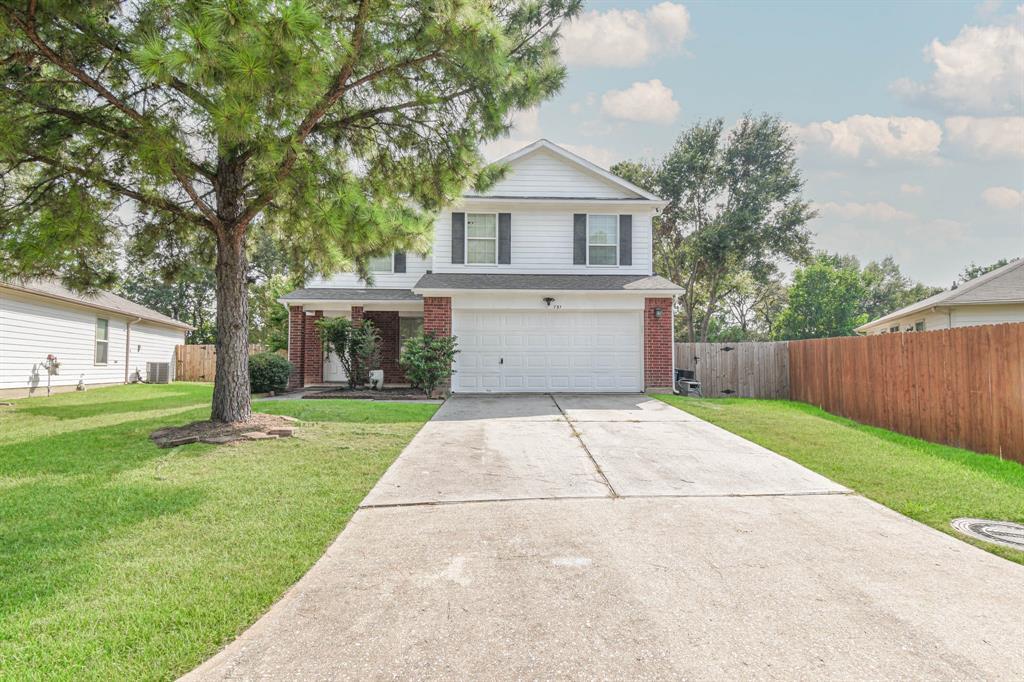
[(546, 280)]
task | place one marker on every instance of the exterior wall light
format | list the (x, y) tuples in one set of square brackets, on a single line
[(548, 301), (658, 313)]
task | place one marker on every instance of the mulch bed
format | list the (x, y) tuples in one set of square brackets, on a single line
[(369, 394), (257, 427)]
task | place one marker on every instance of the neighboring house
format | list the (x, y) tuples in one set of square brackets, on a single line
[(98, 340), (995, 297), (546, 280)]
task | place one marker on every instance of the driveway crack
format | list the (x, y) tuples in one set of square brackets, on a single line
[(579, 437)]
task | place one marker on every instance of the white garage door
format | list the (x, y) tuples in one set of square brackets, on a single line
[(547, 351)]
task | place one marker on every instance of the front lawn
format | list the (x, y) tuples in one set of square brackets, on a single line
[(925, 481), (119, 560)]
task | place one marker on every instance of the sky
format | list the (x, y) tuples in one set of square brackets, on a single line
[(909, 116)]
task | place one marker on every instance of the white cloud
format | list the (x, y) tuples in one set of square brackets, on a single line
[(990, 137), (1003, 197), (624, 38), (872, 137), (644, 102), (878, 211), (907, 188), (981, 69)]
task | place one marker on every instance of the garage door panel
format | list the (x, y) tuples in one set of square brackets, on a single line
[(548, 351)]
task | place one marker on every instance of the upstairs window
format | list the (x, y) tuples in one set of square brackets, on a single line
[(602, 240), (382, 264), (102, 341), (481, 238)]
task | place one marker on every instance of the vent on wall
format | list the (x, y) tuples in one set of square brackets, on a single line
[(158, 372)]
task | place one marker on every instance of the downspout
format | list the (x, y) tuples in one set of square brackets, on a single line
[(128, 346)]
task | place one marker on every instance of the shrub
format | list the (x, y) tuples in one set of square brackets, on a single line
[(268, 372), (427, 360), (357, 347)]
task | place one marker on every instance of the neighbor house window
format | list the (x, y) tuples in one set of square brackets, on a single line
[(602, 240), (482, 238), (382, 263), (894, 329), (919, 326), (408, 327), (102, 340)]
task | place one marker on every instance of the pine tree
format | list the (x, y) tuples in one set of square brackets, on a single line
[(335, 128)]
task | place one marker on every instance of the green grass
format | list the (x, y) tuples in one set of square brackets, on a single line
[(925, 481), (120, 560)]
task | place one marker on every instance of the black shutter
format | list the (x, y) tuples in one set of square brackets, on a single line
[(399, 261), (458, 237), (579, 239), (625, 240), (504, 238)]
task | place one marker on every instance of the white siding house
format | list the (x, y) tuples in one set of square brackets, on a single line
[(993, 298), (546, 281), (99, 341)]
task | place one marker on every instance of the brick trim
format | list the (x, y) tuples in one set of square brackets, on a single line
[(657, 343)]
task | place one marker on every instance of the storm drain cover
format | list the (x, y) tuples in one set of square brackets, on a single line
[(1000, 532)]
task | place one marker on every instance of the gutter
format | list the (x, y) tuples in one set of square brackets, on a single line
[(128, 346)]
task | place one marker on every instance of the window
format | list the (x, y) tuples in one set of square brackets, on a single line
[(602, 240), (895, 329), (382, 263), (102, 340), (482, 238), (408, 327), (919, 326)]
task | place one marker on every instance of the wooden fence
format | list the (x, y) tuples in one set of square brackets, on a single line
[(745, 370), (962, 387), (198, 361)]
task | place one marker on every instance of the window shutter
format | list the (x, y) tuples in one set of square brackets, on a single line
[(625, 240), (399, 261), (504, 238), (458, 237), (579, 239)]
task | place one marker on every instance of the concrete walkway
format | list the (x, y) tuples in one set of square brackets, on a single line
[(615, 536)]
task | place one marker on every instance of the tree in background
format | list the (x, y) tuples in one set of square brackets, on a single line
[(824, 300), (973, 271), (334, 127), (735, 205), (887, 289)]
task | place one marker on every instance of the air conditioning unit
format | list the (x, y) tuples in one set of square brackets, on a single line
[(158, 372)]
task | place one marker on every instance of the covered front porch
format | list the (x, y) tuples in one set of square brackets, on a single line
[(397, 314)]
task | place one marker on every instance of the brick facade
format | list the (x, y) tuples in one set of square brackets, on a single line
[(357, 315), (658, 343), (437, 315), (313, 363), (296, 345), (388, 325)]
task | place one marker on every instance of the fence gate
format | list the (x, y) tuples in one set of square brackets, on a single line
[(743, 370)]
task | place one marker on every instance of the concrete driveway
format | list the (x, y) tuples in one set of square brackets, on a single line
[(615, 536)]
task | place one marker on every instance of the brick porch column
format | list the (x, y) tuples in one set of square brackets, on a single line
[(314, 351), (357, 315), (437, 320), (658, 345), (296, 345)]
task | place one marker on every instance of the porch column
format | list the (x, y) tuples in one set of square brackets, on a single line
[(357, 315), (296, 345), (437, 320), (314, 351), (658, 345)]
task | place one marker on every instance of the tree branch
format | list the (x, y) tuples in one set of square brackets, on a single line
[(29, 29)]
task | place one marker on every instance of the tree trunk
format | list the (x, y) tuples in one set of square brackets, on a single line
[(231, 383)]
